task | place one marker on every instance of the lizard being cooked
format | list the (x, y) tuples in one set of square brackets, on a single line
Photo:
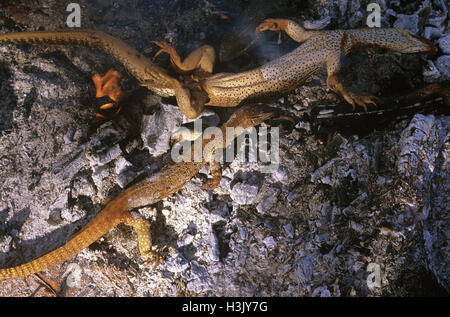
[(200, 87), (149, 191)]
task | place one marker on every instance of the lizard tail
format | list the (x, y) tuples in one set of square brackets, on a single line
[(137, 64), (108, 218)]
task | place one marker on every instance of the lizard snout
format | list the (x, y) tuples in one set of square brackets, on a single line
[(259, 112), (251, 115), (412, 43), (429, 49)]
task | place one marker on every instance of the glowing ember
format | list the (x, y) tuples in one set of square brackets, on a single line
[(108, 86)]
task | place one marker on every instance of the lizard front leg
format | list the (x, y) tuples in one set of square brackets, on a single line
[(335, 84), (202, 59)]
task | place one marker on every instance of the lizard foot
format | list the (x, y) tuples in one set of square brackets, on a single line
[(362, 101), (201, 59), (165, 48), (337, 86), (152, 257)]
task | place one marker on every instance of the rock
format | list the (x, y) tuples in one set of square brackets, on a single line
[(338, 202), (176, 263), (104, 157), (293, 194), (432, 73), (270, 243), (99, 173), (321, 291), (419, 145), (443, 64), (424, 157), (444, 44), (213, 247), (409, 22), (268, 200), (243, 193), (199, 279), (104, 147), (303, 125), (82, 187), (124, 171), (317, 24), (158, 127)]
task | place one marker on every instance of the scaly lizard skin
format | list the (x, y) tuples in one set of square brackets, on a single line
[(228, 90), (320, 48), (147, 192), (147, 73)]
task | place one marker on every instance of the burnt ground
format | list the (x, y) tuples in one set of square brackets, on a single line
[(372, 188)]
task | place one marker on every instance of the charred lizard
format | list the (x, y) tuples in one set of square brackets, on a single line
[(199, 87), (319, 48), (147, 192)]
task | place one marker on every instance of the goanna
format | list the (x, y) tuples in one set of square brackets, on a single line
[(147, 192), (200, 87)]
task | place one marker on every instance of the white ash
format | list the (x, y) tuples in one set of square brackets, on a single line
[(310, 229)]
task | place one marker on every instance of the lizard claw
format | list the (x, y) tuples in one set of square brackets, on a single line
[(361, 101), (365, 100), (153, 256)]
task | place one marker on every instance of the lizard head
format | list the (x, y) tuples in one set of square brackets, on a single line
[(251, 115), (411, 43)]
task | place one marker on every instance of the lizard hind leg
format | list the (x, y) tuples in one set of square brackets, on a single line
[(202, 59), (142, 228)]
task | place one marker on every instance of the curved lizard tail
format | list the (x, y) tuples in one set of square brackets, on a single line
[(107, 219), (146, 72)]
